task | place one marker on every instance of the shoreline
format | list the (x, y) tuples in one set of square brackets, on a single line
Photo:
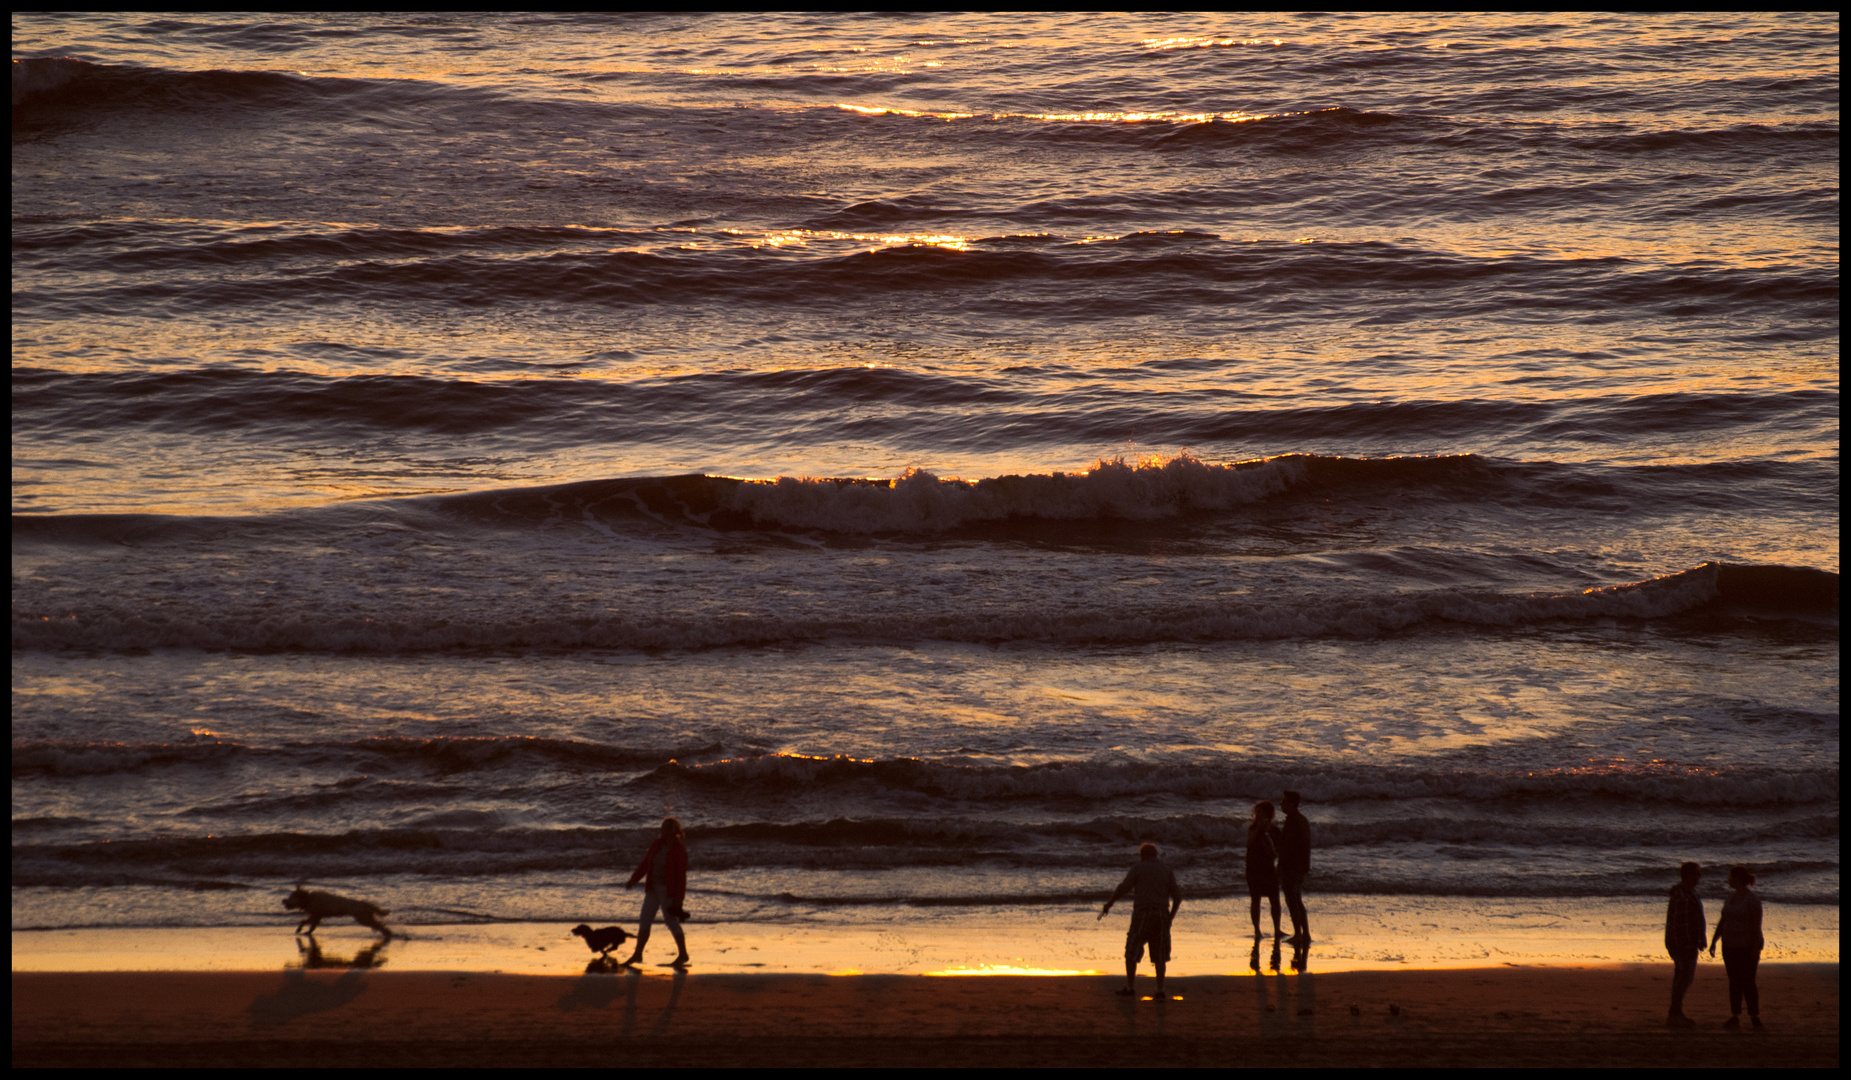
[(1597, 1015), (1211, 937)]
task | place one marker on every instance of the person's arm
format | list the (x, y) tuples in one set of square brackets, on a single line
[(1717, 936), (1176, 897), (1124, 887), (677, 884), (642, 867)]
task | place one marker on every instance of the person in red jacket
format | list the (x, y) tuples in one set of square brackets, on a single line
[(664, 873)]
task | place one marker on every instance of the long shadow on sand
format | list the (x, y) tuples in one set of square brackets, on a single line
[(301, 996), (599, 987)]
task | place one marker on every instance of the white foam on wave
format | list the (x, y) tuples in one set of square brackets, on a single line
[(918, 501)]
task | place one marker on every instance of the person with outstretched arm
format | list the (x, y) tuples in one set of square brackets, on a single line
[(664, 873), (1154, 903)]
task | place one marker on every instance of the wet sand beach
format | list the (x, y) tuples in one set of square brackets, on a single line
[(1607, 1016), (1211, 938)]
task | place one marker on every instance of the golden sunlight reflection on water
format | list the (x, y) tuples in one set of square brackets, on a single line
[(1212, 938)]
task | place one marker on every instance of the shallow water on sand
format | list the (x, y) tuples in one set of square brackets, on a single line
[(1354, 933)]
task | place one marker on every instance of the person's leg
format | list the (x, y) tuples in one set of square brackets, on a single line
[(1683, 973), (1750, 991), (650, 903), (1256, 909), (674, 928), (1275, 900), (1293, 885), (1732, 965), (1160, 949), (1134, 951), (1742, 965)]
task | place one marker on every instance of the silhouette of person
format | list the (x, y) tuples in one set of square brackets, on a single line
[(1685, 930), (1262, 863), (664, 873), (1294, 864), (1739, 930), (1155, 900)]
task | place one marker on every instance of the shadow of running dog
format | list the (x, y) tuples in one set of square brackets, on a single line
[(313, 959)]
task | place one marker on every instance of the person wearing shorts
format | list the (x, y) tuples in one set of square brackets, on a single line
[(1155, 900)]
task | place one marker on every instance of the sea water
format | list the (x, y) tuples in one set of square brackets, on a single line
[(926, 455)]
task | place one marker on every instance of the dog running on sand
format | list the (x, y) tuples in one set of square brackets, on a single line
[(316, 906), (601, 941)]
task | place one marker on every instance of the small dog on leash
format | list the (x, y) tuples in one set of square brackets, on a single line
[(601, 941), (316, 906)]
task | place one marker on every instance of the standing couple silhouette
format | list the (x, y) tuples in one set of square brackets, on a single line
[(1278, 858)]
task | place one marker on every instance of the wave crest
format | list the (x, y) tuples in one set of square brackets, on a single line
[(921, 502)]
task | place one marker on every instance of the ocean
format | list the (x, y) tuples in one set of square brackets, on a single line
[(927, 455)]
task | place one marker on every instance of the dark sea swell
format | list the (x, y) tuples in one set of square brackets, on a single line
[(1152, 273), (1013, 410), (414, 622)]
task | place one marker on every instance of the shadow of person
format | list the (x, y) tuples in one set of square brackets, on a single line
[(1265, 1008), (632, 979), (302, 996), (674, 996), (596, 989), (314, 959), (1305, 1003), (1128, 1008)]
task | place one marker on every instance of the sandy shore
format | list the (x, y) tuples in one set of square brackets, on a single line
[(1212, 937), (1607, 1015)]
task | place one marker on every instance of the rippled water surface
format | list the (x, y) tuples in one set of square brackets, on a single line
[(927, 454)]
